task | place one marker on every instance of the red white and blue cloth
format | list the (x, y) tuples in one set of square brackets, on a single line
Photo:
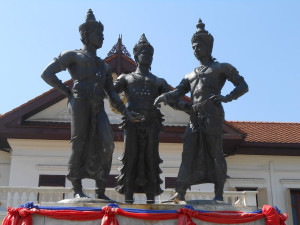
[(23, 215)]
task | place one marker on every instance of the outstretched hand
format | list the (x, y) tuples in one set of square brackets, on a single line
[(219, 98), (133, 116), (160, 99)]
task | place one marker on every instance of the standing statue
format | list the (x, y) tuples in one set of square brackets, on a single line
[(140, 170), (91, 134), (202, 157)]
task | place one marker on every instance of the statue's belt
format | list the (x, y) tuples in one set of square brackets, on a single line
[(198, 107), (150, 116), (97, 93)]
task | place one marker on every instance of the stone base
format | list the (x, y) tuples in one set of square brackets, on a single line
[(207, 205), (81, 201)]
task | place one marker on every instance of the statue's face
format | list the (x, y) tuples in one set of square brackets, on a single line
[(96, 38), (201, 49), (145, 57)]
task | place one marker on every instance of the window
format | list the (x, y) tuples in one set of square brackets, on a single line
[(170, 182), (295, 201), (248, 189), (52, 180)]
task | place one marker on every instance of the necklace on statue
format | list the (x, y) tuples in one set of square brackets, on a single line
[(202, 68), (91, 56)]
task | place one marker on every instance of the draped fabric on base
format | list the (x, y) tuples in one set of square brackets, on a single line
[(22, 215)]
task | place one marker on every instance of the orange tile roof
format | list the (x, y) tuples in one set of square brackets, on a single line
[(268, 132)]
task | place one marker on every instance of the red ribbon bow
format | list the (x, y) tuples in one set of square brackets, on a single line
[(185, 216), (273, 217), (109, 217), (12, 217), (26, 218)]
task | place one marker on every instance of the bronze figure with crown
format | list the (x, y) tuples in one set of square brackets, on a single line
[(140, 161), (202, 157), (91, 134)]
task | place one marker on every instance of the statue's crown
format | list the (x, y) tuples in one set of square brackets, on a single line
[(143, 42), (201, 28), (90, 22), (202, 33), (89, 25), (90, 16)]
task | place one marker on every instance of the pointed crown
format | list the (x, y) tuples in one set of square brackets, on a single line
[(90, 16), (89, 25), (142, 43), (202, 34)]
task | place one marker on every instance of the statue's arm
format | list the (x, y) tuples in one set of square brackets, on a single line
[(174, 103), (237, 80), (120, 84), (111, 93), (173, 96), (57, 65), (114, 98)]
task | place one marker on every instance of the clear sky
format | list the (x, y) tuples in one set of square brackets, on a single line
[(260, 38)]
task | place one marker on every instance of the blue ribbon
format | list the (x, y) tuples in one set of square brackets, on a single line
[(31, 205)]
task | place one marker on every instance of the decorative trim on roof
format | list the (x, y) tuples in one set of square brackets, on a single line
[(119, 48)]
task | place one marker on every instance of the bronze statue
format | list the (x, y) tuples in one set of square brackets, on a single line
[(202, 157), (91, 134), (140, 170)]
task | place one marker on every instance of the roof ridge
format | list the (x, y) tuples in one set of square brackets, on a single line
[(26, 103), (235, 127), (262, 122), (32, 100)]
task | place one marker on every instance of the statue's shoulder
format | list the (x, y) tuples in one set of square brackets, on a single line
[(123, 76), (161, 81), (66, 58), (190, 76), (226, 67), (105, 65), (154, 77), (68, 54), (126, 77)]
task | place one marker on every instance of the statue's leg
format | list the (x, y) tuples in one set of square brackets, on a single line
[(190, 147), (152, 161), (105, 150), (150, 198), (215, 150), (130, 162), (79, 129)]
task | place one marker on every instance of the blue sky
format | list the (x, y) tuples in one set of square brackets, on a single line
[(260, 38)]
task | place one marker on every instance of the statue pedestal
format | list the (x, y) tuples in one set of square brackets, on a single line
[(204, 205)]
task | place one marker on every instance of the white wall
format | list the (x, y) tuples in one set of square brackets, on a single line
[(33, 157), (4, 168), (278, 174), (30, 158)]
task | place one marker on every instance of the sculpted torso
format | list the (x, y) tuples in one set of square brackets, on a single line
[(206, 83), (88, 73), (141, 90)]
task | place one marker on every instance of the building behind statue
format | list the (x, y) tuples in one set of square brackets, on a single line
[(261, 156)]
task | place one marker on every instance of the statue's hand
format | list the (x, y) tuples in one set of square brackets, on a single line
[(68, 93), (220, 98), (133, 116), (159, 99)]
